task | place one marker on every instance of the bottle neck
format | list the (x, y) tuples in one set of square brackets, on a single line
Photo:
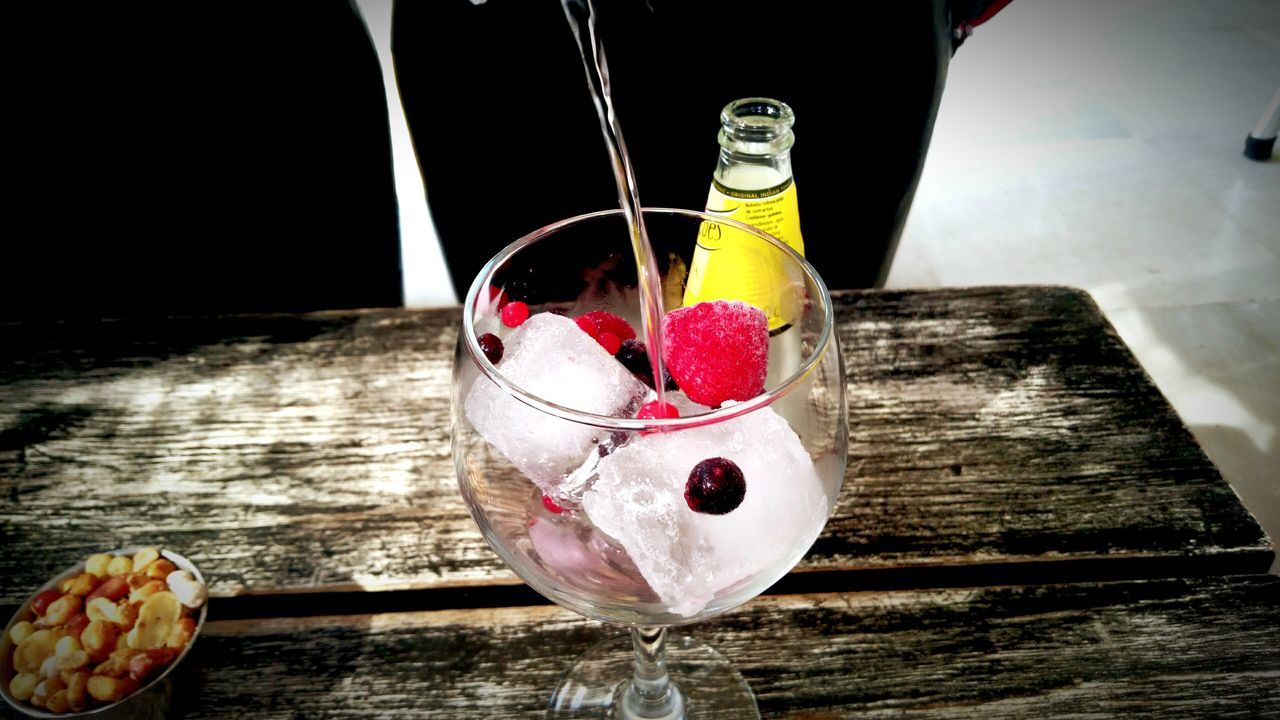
[(755, 144), (752, 172)]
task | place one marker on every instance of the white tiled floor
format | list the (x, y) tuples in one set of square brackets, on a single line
[(1098, 144)]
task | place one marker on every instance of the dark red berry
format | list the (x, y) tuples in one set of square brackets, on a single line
[(715, 487), (634, 357), (551, 505), (514, 313), (491, 346)]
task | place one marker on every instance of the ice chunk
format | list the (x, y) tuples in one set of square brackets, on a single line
[(687, 407), (552, 358), (688, 557), (581, 558)]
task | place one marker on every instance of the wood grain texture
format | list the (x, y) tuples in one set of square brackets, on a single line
[(1013, 422), (989, 428), (1172, 649)]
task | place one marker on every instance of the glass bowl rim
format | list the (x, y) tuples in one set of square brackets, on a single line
[(608, 422)]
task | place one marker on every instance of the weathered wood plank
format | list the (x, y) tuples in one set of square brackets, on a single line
[(1014, 422), (311, 453), (1174, 649)]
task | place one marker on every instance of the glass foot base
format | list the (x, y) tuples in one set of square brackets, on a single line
[(712, 689)]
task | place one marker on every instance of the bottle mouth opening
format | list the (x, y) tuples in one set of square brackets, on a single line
[(757, 117)]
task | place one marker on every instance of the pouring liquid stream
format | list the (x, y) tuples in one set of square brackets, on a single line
[(582, 20)]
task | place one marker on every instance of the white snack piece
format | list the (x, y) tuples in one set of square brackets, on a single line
[(688, 557), (189, 591), (551, 357)]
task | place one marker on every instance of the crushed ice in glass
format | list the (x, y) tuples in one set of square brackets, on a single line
[(688, 557), (549, 356)]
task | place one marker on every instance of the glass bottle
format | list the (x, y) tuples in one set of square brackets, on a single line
[(752, 184)]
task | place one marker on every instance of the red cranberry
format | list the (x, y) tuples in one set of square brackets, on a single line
[(514, 313)]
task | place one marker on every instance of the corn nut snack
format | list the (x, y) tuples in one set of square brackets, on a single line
[(102, 634)]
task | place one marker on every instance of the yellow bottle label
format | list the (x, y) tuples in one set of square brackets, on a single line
[(730, 264)]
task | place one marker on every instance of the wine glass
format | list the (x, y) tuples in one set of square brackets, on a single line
[(674, 516)]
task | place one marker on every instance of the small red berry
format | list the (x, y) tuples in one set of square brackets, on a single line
[(655, 410), (609, 342), (715, 487), (491, 346), (551, 505), (514, 313), (588, 325)]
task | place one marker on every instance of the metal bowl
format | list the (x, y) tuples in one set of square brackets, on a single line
[(152, 700)]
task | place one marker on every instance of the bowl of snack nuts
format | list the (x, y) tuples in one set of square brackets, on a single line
[(101, 639)]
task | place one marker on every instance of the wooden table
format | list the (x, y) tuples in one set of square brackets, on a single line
[(1026, 529)]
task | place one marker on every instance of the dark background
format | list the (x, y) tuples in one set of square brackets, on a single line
[(192, 158), (176, 159)]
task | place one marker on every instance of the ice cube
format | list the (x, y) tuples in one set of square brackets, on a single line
[(687, 407), (551, 357), (688, 557)]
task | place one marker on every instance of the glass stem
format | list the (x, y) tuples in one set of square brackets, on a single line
[(650, 695)]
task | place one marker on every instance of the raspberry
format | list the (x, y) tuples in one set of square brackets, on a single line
[(514, 313), (599, 323), (715, 487), (609, 342), (717, 351), (491, 346)]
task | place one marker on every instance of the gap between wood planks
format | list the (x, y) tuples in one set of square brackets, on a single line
[(1037, 572)]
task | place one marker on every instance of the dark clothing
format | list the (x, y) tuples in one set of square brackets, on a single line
[(177, 159), (508, 138)]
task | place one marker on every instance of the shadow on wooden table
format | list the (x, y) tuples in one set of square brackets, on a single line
[(442, 664), (1158, 649)]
